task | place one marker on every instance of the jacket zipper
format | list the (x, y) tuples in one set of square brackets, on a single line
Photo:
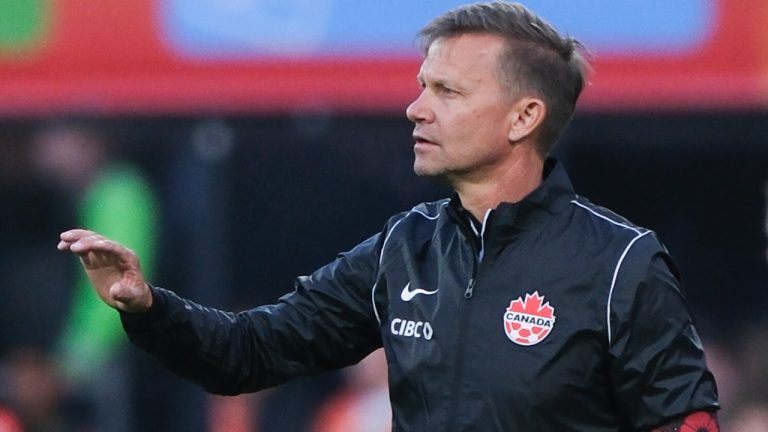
[(470, 288), (460, 354), (464, 317), (478, 256)]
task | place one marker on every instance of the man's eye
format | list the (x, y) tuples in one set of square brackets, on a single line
[(446, 90)]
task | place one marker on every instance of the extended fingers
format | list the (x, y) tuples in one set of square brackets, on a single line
[(96, 243), (83, 241), (67, 238)]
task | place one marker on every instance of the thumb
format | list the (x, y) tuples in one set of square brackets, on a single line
[(122, 292), (131, 298)]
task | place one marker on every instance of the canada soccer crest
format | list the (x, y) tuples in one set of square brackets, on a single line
[(527, 322)]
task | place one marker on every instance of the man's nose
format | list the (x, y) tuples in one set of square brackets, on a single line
[(417, 111)]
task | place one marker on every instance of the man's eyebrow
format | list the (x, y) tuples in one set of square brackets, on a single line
[(436, 81)]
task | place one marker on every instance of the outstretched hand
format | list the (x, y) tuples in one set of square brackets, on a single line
[(112, 268)]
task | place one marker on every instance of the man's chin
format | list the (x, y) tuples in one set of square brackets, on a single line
[(425, 171), (433, 173)]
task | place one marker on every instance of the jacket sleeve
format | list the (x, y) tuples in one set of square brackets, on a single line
[(658, 367), (327, 322)]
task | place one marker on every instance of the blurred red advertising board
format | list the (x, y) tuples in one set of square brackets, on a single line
[(123, 57)]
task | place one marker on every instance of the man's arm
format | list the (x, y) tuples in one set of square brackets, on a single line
[(327, 322), (658, 367), (701, 421)]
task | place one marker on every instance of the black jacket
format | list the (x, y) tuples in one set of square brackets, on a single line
[(553, 314)]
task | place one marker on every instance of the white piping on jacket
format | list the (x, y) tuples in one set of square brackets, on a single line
[(618, 264), (384, 245), (482, 236)]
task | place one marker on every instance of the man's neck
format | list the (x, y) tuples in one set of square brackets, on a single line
[(509, 183)]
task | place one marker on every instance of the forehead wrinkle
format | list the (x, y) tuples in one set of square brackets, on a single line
[(437, 71), (443, 54)]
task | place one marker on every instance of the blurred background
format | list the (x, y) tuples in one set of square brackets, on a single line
[(237, 144)]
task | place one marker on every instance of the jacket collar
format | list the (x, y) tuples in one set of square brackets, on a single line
[(553, 195)]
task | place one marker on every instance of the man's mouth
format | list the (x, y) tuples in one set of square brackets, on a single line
[(421, 139)]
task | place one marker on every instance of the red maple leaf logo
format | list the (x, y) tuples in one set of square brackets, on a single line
[(532, 305)]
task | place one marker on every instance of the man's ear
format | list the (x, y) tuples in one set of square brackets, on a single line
[(525, 117)]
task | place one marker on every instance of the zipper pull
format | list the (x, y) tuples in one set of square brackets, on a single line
[(470, 289)]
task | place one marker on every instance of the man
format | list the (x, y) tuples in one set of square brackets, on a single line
[(514, 305)]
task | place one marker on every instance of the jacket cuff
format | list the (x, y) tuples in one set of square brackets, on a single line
[(134, 323)]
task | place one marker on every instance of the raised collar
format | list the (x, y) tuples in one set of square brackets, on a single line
[(553, 195)]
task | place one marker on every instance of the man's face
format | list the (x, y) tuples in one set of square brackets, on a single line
[(462, 115)]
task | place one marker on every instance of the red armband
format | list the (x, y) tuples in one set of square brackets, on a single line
[(700, 421)]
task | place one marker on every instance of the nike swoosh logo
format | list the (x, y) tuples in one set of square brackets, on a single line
[(407, 294)]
